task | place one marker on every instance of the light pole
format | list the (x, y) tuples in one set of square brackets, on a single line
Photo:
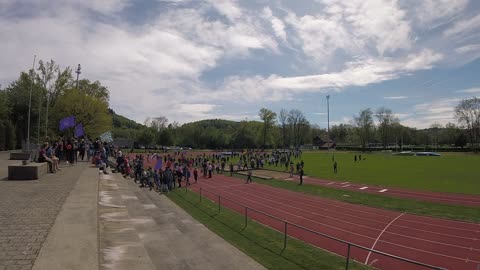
[(328, 121), (30, 103), (78, 71)]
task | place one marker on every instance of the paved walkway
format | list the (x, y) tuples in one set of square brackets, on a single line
[(80, 219), (145, 230), (28, 210)]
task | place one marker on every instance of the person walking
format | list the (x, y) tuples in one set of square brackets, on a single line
[(249, 176), (195, 174), (301, 176)]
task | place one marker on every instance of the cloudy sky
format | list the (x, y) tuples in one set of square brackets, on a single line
[(191, 60)]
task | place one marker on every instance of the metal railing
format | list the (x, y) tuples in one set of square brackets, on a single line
[(285, 232)]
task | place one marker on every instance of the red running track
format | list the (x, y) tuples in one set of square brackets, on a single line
[(445, 243), (437, 197)]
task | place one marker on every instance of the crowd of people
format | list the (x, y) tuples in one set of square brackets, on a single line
[(72, 150)]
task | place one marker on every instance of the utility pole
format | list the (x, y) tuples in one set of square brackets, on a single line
[(328, 121), (30, 103), (78, 71)]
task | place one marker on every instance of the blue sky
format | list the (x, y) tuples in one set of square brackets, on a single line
[(192, 60)]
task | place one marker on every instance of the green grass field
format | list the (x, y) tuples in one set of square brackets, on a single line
[(451, 172)]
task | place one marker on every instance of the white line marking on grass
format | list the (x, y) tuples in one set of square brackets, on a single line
[(380, 235), (362, 188), (383, 190), (346, 186)]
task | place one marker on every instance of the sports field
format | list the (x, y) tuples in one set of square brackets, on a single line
[(451, 172)]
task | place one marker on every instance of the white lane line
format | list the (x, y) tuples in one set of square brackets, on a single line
[(331, 183), (383, 190), (383, 241), (362, 188), (346, 185), (343, 183), (380, 235)]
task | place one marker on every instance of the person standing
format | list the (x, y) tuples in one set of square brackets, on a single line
[(249, 176), (195, 174), (231, 169), (301, 176), (335, 167), (210, 169)]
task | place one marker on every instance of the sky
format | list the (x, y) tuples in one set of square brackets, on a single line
[(206, 59)]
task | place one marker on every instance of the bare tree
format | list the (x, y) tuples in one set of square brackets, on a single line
[(283, 119), (295, 119), (364, 124), (386, 120), (467, 113), (158, 123)]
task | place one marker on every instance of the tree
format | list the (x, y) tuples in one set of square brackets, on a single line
[(364, 125), (295, 119), (268, 118), (95, 89), (386, 120), (91, 112), (467, 113), (158, 123), (47, 73), (146, 136), (283, 119), (18, 95)]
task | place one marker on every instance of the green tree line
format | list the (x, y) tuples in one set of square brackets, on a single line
[(54, 96)]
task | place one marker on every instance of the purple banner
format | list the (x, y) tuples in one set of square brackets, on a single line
[(67, 122), (79, 130), (158, 166)]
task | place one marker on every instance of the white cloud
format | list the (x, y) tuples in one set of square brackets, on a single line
[(277, 24), (320, 113), (275, 88), (436, 111), (475, 90), (382, 22), (437, 12), (463, 27), (468, 48), (228, 8), (396, 97)]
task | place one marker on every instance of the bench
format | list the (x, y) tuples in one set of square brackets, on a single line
[(19, 156), (30, 171)]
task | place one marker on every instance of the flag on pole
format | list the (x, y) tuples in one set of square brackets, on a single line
[(79, 130), (67, 122), (158, 165), (106, 137)]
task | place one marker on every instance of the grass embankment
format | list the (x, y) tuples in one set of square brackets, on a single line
[(451, 172), (261, 243), (455, 212)]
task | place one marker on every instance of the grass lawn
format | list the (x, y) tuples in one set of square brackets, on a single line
[(455, 212), (451, 172), (257, 241)]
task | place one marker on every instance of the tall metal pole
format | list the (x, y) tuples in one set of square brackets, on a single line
[(46, 117), (328, 121), (30, 104), (78, 71)]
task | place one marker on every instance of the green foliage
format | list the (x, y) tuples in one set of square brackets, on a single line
[(268, 118), (146, 136), (95, 89), (91, 112)]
